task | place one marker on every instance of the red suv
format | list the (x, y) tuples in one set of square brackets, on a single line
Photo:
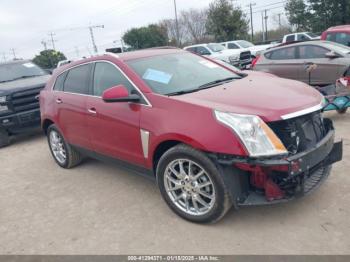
[(212, 137), (339, 34)]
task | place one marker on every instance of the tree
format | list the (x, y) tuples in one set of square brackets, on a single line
[(49, 58), (145, 37), (194, 22), (297, 14), (170, 26), (226, 22), (325, 14)]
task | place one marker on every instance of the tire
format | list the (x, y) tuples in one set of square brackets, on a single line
[(4, 138), (342, 111), (63, 153), (186, 201)]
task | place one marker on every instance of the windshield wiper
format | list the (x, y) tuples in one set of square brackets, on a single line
[(217, 82), (201, 87)]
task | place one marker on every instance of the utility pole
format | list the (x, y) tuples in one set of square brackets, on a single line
[(93, 37), (44, 44), (262, 26), (266, 17), (176, 24), (51, 34), (13, 53), (251, 19), (279, 20), (4, 56)]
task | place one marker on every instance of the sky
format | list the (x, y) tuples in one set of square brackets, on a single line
[(25, 24)]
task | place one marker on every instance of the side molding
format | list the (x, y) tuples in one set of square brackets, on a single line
[(145, 142)]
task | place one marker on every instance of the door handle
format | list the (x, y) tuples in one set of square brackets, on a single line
[(59, 101), (92, 111)]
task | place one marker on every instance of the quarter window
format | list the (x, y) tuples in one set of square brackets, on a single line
[(106, 76), (77, 80), (290, 38), (59, 82)]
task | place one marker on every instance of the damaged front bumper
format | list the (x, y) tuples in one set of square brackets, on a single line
[(274, 180)]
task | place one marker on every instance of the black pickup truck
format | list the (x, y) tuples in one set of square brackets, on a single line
[(20, 84)]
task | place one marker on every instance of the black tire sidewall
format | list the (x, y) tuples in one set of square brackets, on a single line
[(4, 138), (54, 128), (184, 152)]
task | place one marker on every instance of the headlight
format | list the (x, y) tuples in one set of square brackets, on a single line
[(2, 99), (256, 136)]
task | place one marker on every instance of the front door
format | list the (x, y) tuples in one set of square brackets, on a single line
[(114, 127)]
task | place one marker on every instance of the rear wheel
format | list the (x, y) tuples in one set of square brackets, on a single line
[(64, 154), (342, 111), (192, 186), (4, 138)]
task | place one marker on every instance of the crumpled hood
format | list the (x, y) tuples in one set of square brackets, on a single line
[(22, 84), (259, 94)]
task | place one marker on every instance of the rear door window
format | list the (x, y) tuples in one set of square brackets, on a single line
[(106, 76), (302, 37), (283, 54), (312, 52), (232, 46), (77, 80), (290, 38)]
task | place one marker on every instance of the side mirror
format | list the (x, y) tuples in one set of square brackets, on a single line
[(332, 55), (119, 94)]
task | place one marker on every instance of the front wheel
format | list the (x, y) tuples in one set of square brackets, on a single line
[(63, 153), (4, 138), (192, 186)]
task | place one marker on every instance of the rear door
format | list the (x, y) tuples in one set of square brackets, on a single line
[(71, 106), (281, 62), (326, 71), (114, 127)]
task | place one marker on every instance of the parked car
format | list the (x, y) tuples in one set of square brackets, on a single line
[(338, 34), (209, 136), (63, 62), (292, 60), (246, 46), (298, 37), (237, 58), (20, 84)]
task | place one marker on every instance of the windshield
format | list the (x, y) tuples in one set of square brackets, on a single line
[(173, 73), (312, 35), (245, 44), (216, 47), (17, 70)]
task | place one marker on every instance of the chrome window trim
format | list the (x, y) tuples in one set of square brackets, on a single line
[(148, 103), (303, 112)]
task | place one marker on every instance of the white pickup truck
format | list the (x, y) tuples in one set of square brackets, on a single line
[(238, 58), (244, 45), (301, 36)]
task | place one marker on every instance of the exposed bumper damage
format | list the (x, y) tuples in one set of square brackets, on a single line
[(274, 180)]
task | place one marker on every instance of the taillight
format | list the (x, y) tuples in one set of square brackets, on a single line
[(255, 60)]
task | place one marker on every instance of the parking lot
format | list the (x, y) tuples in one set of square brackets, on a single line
[(98, 208)]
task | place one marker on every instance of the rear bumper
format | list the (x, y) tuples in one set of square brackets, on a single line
[(296, 175), (21, 122)]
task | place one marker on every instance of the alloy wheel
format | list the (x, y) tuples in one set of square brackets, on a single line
[(189, 187), (57, 147)]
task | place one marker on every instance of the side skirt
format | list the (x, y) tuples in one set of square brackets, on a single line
[(139, 170)]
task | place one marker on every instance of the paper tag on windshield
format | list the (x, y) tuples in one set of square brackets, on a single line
[(157, 76), (208, 64), (29, 65)]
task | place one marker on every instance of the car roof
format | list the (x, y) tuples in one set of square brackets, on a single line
[(132, 55), (339, 28)]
